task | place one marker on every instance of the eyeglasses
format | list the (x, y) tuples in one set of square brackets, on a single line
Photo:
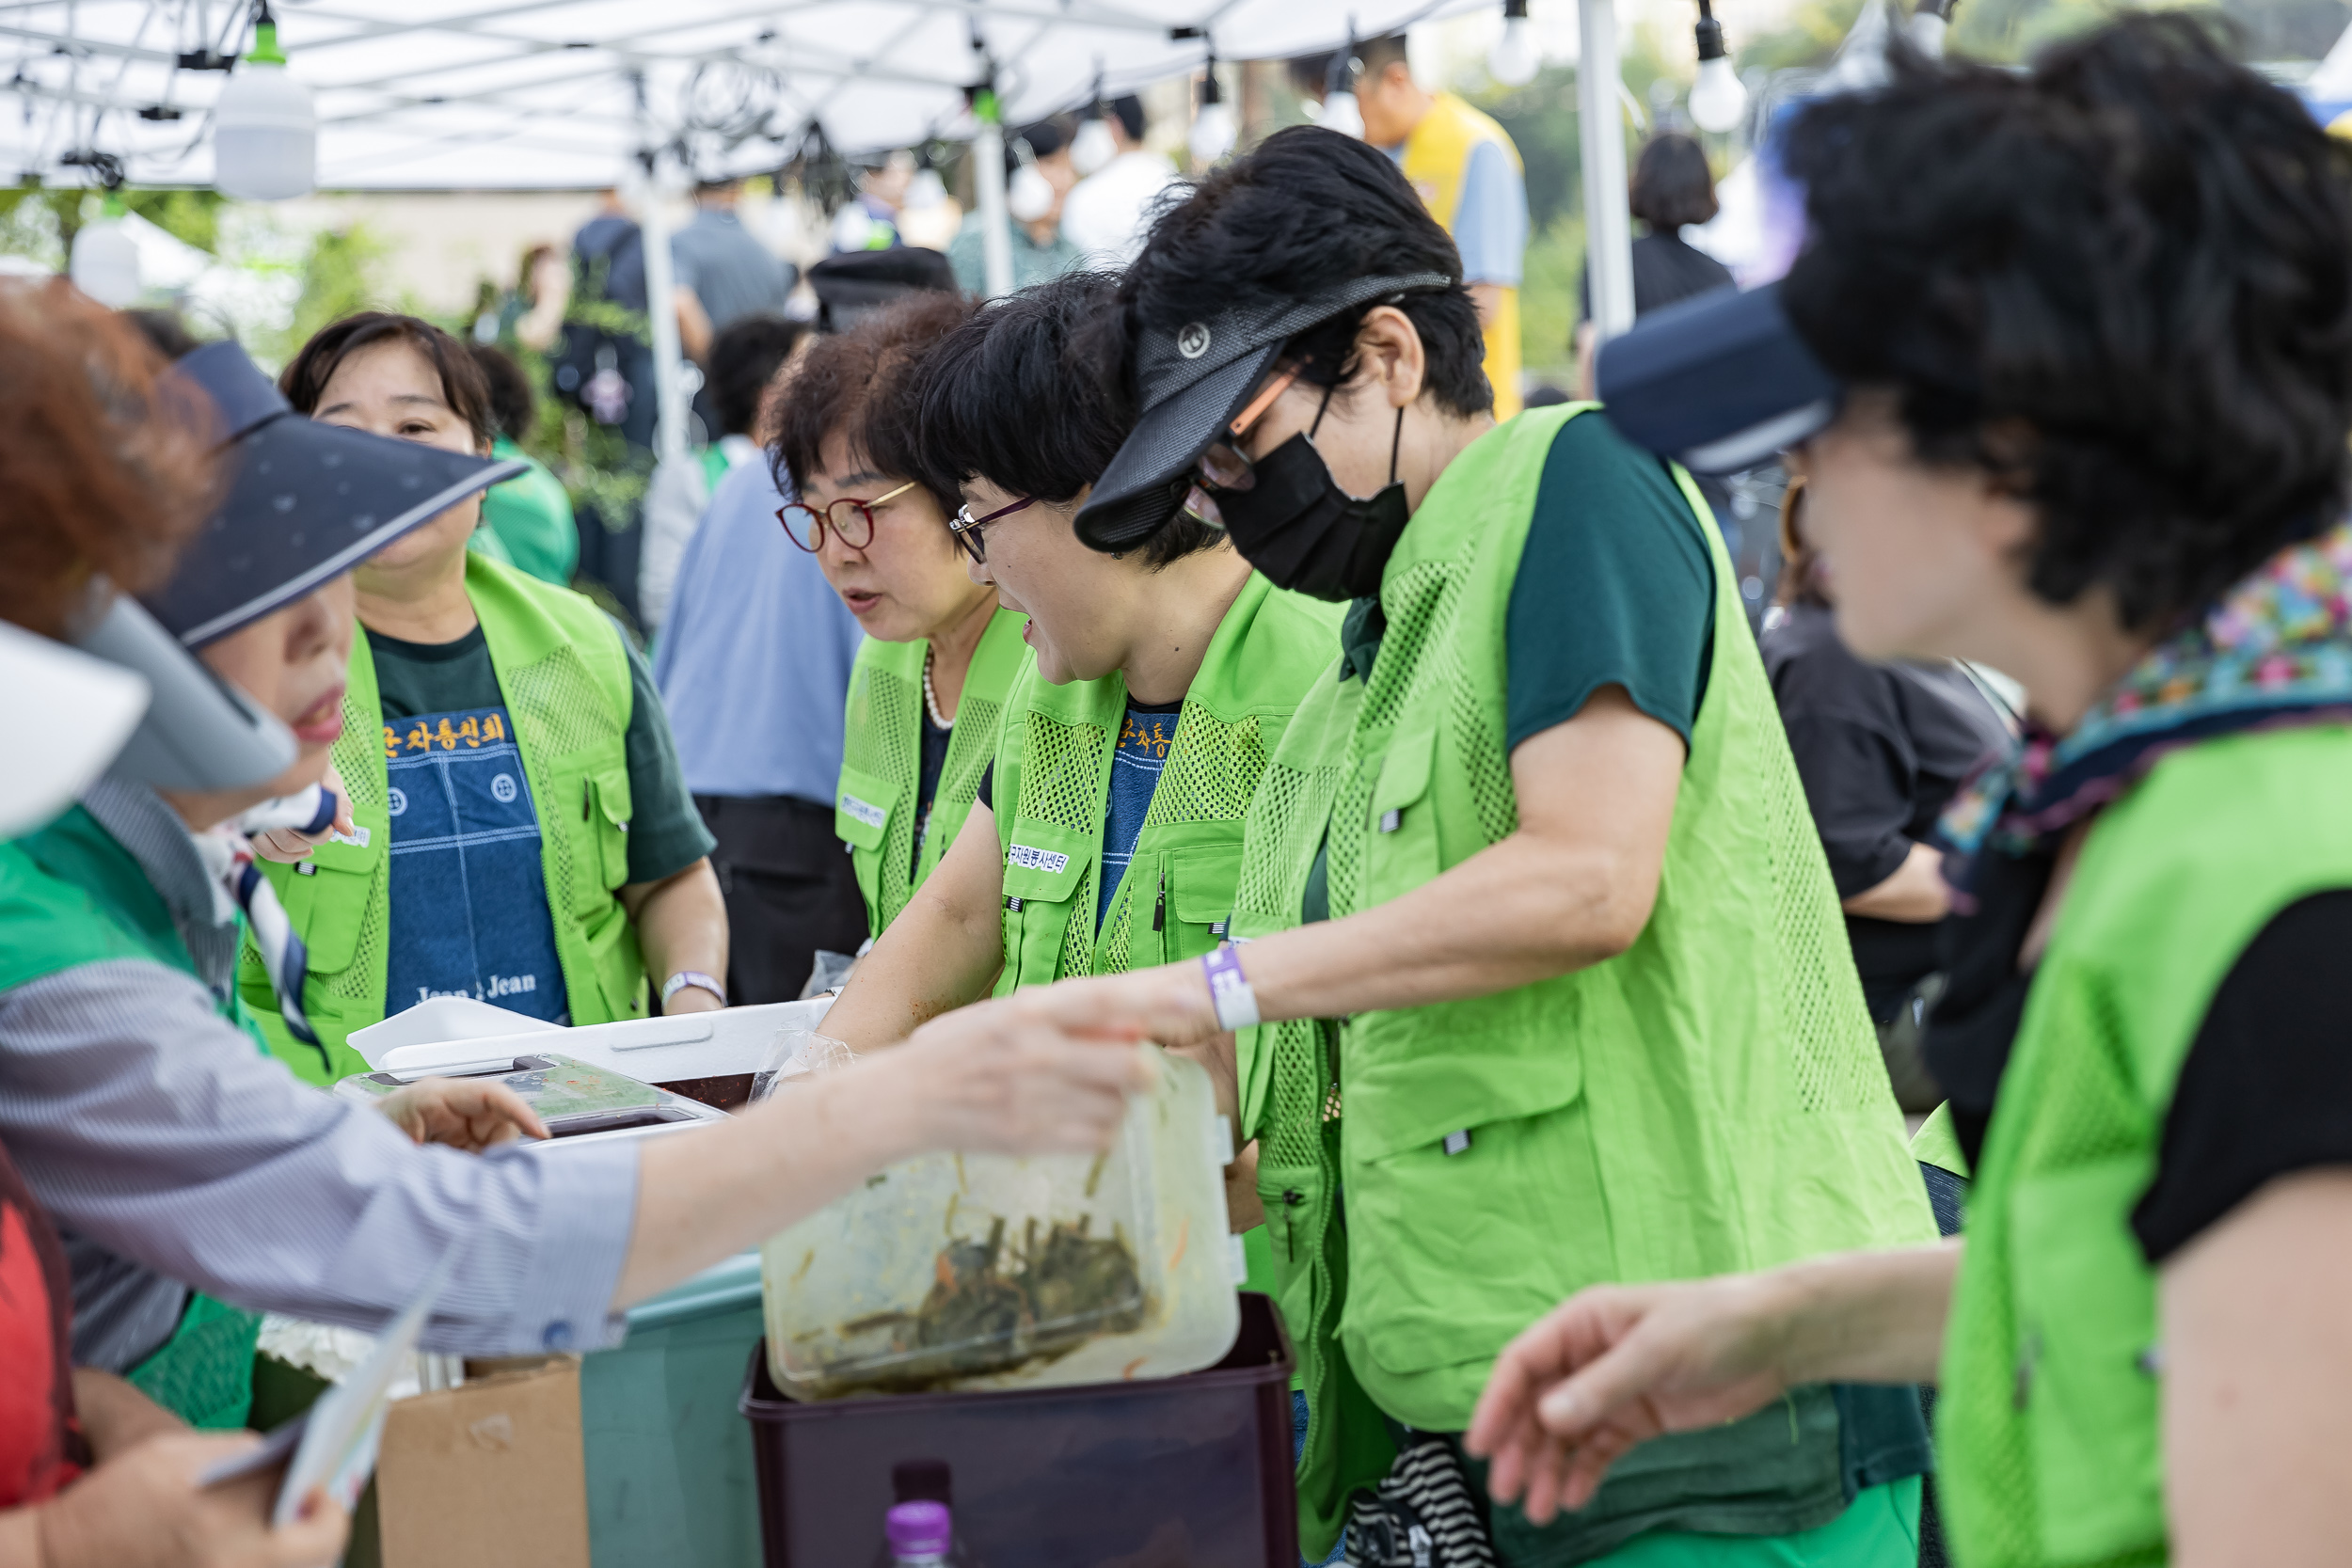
[(1224, 466), (852, 520), (966, 528)]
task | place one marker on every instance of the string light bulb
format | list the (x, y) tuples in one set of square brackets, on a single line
[(1514, 59), (1718, 97), (1213, 130), (266, 127)]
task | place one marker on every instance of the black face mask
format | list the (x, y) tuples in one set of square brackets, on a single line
[(1307, 534)]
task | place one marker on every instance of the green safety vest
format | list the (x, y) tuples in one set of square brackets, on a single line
[(2048, 1426), (881, 760), (1709, 1101), (564, 674), (71, 894), (1053, 788)]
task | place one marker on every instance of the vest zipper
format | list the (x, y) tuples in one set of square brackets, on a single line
[(1159, 910)]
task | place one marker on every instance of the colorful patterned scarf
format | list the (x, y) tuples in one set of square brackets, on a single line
[(2276, 651)]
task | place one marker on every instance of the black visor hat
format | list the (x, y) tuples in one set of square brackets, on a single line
[(1190, 382), (1718, 383), (306, 501)]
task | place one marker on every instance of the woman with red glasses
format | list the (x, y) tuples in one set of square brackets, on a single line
[(920, 726)]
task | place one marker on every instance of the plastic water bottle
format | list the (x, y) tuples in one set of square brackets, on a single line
[(919, 1535)]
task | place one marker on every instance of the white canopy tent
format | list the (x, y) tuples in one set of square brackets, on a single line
[(513, 94)]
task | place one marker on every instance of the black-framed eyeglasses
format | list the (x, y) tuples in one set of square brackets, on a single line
[(966, 528), (850, 519)]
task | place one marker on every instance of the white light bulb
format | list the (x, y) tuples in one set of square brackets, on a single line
[(1092, 148), (851, 228), (926, 191), (1030, 195), (1514, 58), (1342, 113), (1927, 33), (1716, 98), (1211, 134), (265, 134), (106, 264)]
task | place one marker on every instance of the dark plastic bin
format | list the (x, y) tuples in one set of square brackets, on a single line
[(1180, 1472)]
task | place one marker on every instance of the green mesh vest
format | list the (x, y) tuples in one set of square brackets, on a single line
[(881, 760), (2047, 1429), (1708, 1101), (1052, 785), (564, 675), (71, 894)]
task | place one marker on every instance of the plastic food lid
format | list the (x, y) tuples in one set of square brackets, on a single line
[(917, 1527)]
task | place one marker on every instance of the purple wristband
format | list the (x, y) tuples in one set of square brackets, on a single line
[(1229, 989)]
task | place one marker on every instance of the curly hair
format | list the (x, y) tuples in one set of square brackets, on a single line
[(464, 388), (1307, 210), (107, 461), (842, 383), (2121, 284), (1012, 396)]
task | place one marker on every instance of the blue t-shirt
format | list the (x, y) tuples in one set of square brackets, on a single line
[(1490, 224), (1142, 752)]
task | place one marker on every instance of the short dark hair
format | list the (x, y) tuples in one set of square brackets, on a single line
[(1307, 210), (513, 405), (744, 358), (846, 378), (1128, 110), (2119, 282), (1381, 52), (1671, 184), (463, 386), (165, 330), (1018, 396)]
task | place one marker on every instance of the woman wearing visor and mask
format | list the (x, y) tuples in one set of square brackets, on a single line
[(1538, 978)]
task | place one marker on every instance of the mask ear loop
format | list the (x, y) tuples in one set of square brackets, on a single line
[(1395, 441), (1322, 407)]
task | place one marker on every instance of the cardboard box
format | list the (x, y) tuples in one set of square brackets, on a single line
[(488, 1475)]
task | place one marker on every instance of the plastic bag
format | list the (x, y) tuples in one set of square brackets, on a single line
[(799, 1054)]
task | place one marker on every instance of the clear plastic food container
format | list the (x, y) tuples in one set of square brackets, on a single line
[(988, 1272)]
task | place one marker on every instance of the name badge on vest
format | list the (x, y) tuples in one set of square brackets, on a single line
[(863, 811), (1030, 858)]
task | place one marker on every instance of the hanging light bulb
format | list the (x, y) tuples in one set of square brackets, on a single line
[(1341, 113), (106, 263), (1718, 97), (265, 129), (1030, 195), (926, 191), (1213, 130), (1929, 22), (1514, 58), (1092, 147)]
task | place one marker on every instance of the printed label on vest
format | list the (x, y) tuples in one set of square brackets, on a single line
[(863, 811), (1053, 863)]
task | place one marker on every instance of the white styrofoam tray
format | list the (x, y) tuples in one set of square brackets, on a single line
[(454, 1035)]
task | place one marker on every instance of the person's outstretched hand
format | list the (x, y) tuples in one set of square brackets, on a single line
[(471, 1113), (1168, 1004), (1005, 1077), (144, 1509), (1618, 1365)]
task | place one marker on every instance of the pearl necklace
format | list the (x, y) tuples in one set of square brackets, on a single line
[(930, 698)]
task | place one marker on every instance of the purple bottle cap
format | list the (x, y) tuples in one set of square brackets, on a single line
[(918, 1529)]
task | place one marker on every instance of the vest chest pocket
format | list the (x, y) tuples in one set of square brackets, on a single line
[(2085, 1382), (325, 898), (1200, 898), (862, 805), (610, 810), (1043, 866), (1401, 838)]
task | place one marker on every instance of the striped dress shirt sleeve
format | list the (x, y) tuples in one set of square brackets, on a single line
[(145, 1122)]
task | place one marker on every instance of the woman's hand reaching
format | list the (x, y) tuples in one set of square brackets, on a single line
[(471, 1113), (1006, 1077)]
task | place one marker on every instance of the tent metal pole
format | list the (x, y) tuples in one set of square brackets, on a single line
[(653, 230), (988, 182), (1608, 225)]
